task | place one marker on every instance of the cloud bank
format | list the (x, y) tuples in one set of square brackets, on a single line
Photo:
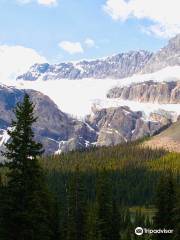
[(164, 14), (15, 60), (47, 2)]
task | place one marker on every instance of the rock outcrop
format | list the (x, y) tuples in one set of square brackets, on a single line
[(154, 92), (118, 125), (58, 132), (53, 126)]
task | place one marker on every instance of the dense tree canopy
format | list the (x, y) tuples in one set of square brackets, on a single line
[(100, 193), (26, 204)]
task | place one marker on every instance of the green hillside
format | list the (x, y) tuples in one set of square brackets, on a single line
[(102, 188), (126, 175), (132, 170), (173, 132)]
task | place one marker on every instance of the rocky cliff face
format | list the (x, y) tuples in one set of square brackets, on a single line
[(58, 132), (117, 66), (53, 126), (167, 56), (154, 92), (118, 125)]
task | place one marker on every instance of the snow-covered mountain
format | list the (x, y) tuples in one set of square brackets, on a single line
[(118, 99), (118, 66), (115, 67), (77, 97), (53, 127), (167, 56), (59, 132)]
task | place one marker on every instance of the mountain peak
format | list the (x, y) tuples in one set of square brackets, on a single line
[(117, 66), (175, 42), (165, 57)]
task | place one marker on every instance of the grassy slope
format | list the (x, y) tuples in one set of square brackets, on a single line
[(168, 139), (173, 132)]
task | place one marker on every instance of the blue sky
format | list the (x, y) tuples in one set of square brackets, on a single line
[(44, 28)]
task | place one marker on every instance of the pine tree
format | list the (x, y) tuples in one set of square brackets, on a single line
[(115, 222), (92, 223), (1, 200), (177, 216), (27, 210), (108, 213), (104, 206), (165, 204), (76, 212)]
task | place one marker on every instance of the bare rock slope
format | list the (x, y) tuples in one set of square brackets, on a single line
[(154, 92), (118, 125), (59, 132), (168, 139), (53, 126), (167, 56)]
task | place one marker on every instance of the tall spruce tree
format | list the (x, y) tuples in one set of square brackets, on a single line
[(165, 204), (115, 222), (27, 206), (109, 221), (76, 214), (177, 215)]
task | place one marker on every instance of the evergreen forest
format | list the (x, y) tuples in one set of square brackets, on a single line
[(102, 193)]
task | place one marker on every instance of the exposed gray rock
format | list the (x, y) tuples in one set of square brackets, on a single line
[(162, 116), (118, 66), (146, 129), (167, 56), (58, 132), (52, 127), (118, 125), (162, 92)]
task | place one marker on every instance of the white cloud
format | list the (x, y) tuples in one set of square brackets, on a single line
[(15, 60), (47, 2), (89, 42), (163, 13), (71, 47), (41, 2), (117, 9)]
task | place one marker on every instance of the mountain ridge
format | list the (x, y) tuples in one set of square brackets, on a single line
[(166, 56), (110, 125), (59, 132), (117, 66)]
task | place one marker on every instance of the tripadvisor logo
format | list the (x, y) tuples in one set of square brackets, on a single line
[(140, 231)]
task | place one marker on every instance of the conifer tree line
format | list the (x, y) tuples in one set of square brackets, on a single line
[(26, 205), (85, 195)]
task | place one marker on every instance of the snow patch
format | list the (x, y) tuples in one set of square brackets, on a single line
[(76, 97), (146, 108), (61, 144)]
